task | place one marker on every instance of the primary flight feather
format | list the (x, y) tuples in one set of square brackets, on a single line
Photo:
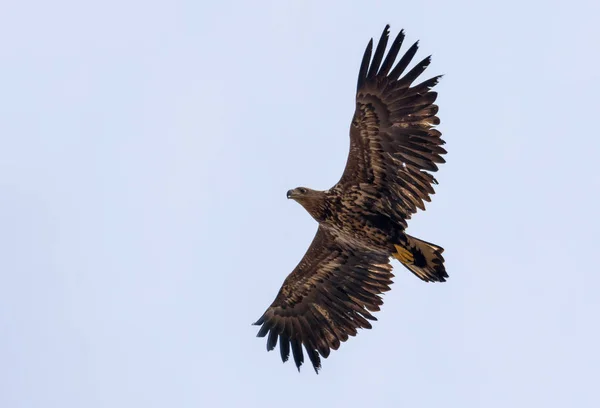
[(362, 219)]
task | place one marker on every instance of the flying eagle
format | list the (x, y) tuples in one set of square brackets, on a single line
[(362, 219)]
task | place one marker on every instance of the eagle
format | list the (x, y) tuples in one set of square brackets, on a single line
[(394, 147)]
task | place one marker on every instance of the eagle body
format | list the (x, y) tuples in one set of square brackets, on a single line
[(354, 218), (394, 147)]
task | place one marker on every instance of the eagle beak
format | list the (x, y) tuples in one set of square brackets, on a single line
[(289, 194)]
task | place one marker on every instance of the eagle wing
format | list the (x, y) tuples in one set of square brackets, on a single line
[(325, 299), (393, 145)]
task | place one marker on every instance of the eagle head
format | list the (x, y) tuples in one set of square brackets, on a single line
[(312, 200), (299, 193)]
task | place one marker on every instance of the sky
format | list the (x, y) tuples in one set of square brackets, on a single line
[(145, 152)]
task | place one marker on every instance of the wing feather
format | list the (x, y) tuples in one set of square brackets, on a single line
[(364, 66), (272, 340), (404, 62), (284, 347), (379, 51), (392, 53)]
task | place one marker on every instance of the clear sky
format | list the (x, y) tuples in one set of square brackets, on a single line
[(145, 152)]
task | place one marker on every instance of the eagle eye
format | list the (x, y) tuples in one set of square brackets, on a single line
[(302, 190)]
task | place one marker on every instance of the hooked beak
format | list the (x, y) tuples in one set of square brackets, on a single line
[(289, 194)]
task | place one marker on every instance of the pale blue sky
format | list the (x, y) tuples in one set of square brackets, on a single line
[(145, 152)]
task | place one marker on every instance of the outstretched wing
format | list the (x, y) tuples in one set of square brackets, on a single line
[(325, 299), (393, 145)]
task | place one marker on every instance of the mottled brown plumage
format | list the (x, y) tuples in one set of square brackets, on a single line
[(362, 219)]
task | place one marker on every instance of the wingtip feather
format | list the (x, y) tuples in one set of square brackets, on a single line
[(364, 65)]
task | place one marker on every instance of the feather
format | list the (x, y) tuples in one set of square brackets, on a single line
[(313, 356), (414, 73), (284, 347), (364, 66), (379, 51), (424, 86), (263, 331), (272, 340), (404, 61), (392, 54), (297, 353)]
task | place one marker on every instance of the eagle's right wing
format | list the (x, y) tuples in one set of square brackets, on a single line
[(325, 299)]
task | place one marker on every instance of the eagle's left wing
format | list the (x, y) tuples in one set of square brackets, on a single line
[(325, 299), (393, 145)]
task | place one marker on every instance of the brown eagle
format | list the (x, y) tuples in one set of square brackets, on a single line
[(362, 219)]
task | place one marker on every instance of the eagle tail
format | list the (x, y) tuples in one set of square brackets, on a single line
[(422, 258)]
